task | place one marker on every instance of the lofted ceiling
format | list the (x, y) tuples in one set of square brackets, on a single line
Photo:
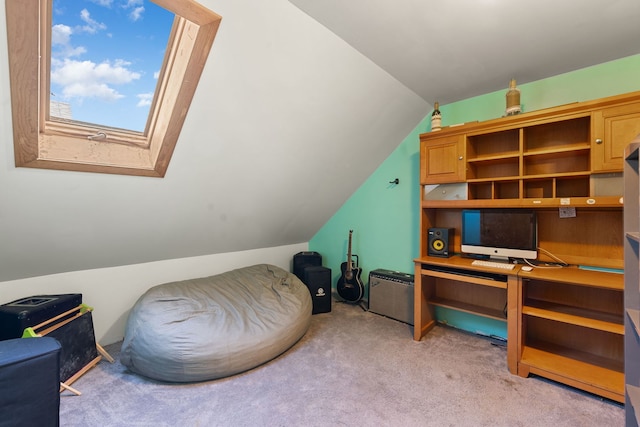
[(451, 50)]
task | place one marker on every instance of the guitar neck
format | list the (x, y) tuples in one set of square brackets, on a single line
[(349, 252)]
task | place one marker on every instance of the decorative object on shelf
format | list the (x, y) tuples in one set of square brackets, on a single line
[(436, 118), (513, 99)]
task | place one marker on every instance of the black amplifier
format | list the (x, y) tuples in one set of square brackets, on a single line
[(24, 313), (391, 294), (305, 259)]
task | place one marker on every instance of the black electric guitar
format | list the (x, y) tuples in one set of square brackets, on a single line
[(349, 285)]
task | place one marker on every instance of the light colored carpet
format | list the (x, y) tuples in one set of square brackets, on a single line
[(352, 368)]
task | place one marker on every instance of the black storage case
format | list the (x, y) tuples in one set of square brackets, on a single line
[(18, 315), (305, 259), (318, 280), (30, 382)]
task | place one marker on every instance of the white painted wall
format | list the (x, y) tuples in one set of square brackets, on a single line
[(288, 121), (112, 292)]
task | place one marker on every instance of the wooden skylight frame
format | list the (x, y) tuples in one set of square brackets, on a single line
[(41, 141)]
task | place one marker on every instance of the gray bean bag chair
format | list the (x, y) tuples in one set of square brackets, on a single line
[(213, 327)]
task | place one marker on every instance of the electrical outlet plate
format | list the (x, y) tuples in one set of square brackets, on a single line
[(567, 212)]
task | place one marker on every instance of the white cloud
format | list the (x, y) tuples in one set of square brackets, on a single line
[(60, 34), (105, 3), (144, 99), (61, 38), (92, 26), (138, 9), (92, 90), (136, 13), (133, 3), (86, 79)]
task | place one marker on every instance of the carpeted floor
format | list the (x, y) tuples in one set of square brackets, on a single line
[(352, 368)]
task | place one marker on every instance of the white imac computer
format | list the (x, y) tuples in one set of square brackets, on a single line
[(500, 234)]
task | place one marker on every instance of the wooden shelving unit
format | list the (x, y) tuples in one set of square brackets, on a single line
[(572, 328), (632, 282), (567, 324)]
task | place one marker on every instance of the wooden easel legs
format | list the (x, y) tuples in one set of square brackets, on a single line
[(58, 321), (104, 353), (63, 386)]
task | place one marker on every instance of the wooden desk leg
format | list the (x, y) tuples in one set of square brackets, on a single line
[(512, 324), (423, 318)]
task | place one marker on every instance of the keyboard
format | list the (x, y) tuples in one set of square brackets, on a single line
[(494, 264)]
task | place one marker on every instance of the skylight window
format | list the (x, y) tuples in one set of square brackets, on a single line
[(59, 121), (106, 57)]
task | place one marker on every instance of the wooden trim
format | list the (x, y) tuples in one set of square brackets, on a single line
[(42, 142), (22, 30), (512, 324)]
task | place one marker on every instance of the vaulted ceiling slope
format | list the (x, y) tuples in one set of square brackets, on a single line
[(287, 121), (453, 50), (291, 116)]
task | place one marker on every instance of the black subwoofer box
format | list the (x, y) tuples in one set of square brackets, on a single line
[(305, 259), (318, 280), (24, 313)]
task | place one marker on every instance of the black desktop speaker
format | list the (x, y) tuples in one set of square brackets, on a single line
[(439, 242)]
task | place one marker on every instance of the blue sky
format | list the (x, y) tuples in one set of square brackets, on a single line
[(106, 55)]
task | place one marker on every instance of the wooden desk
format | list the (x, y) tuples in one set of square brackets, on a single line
[(565, 324)]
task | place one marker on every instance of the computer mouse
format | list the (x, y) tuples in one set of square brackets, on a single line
[(526, 268)]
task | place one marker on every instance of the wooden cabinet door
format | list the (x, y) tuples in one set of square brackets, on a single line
[(613, 129), (442, 160)]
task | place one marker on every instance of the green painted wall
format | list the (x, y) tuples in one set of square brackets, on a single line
[(384, 216)]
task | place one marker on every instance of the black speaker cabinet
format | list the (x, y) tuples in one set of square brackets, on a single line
[(18, 315), (305, 259), (318, 280), (440, 242)]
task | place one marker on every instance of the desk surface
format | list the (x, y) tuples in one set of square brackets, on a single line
[(570, 274)]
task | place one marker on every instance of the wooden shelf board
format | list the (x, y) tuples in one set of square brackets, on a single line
[(459, 266), (577, 202), (575, 316), (580, 277), (576, 359), (605, 374), (585, 146), (549, 176), (469, 308), (493, 179), (467, 279), (512, 155)]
